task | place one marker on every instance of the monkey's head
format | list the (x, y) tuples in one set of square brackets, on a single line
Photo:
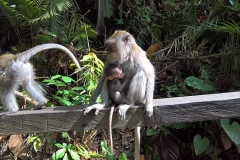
[(120, 46), (113, 71), (116, 74)]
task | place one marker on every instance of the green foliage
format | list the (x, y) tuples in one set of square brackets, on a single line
[(107, 151), (30, 15), (175, 90), (79, 36), (64, 95), (92, 68), (88, 154), (65, 152), (44, 21), (235, 5), (123, 156), (198, 84), (69, 92), (165, 130), (39, 139), (108, 9), (232, 131), (53, 8), (200, 144)]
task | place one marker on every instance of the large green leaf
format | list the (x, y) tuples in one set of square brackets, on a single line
[(67, 79), (74, 154), (232, 130), (59, 154), (198, 84), (200, 144), (123, 156)]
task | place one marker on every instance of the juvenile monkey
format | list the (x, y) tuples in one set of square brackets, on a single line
[(117, 96), (115, 88), (15, 70)]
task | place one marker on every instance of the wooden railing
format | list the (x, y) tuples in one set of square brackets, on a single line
[(166, 111)]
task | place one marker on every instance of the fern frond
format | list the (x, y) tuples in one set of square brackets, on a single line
[(108, 8), (80, 37), (53, 9)]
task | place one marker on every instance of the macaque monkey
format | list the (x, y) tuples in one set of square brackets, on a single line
[(117, 96), (123, 49), (16, 70), (115, 88)]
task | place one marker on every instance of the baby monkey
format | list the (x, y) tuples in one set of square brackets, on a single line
[(116, 92)]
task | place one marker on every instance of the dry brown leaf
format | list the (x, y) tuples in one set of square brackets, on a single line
[(142, 157), (54, 135), (226, 141), (170, 149), (17, 147), (153, 48)]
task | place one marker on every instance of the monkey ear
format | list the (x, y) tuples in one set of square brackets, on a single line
[(127, 39), (110, 78)]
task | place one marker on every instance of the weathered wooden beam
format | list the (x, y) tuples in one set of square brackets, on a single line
[(167, 110)]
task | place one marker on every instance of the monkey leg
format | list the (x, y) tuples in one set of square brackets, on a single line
[(29, 86), (118, 98), (136, 93), (9, 100)]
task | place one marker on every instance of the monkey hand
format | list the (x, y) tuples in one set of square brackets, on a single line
[(122, 109), (149, 110), (97, 107)]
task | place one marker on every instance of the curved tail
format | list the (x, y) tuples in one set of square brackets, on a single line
[(26, 55)]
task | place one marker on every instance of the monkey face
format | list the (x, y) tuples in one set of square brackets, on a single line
[(117, 74), (113, 53), (120, 46), (116, 51)]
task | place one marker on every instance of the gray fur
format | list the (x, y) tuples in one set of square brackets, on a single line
[(133, 61), (15, 70)]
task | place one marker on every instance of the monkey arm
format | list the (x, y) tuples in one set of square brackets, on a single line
[(98, 90), (149, 89), (123, 85), (104, 96), (101, 87)]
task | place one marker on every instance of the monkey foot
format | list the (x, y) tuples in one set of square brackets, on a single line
[(122, 109), (149, 110), (97, 107)]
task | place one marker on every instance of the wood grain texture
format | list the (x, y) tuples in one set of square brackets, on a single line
[(166, 110)]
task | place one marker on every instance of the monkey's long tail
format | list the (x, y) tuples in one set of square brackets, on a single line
[(26, 55)]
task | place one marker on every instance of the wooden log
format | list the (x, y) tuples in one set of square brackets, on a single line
[(167, 110)]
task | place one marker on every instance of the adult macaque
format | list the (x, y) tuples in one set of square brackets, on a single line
[(115, 88), (123, 50), (15, 70)]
